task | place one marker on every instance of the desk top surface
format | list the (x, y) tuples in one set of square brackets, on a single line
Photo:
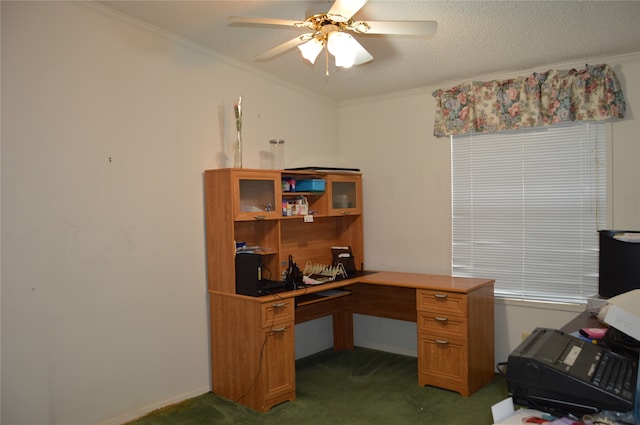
[(426, 281), (399, 279)]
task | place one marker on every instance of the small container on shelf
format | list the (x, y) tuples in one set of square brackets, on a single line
[(276, 149), (298, 206), (311, 185), (288, 184)]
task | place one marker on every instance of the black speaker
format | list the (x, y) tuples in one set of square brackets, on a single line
[(249, 274)]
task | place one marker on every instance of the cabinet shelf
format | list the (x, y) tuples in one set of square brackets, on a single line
[(303, 193), (262, 251), (297, 216)]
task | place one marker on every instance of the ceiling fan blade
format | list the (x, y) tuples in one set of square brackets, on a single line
[(250, 20), (395, 27), (343, 10), (362, 56), (287, 45)]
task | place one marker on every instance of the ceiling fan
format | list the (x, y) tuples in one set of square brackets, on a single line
[(332, 29)]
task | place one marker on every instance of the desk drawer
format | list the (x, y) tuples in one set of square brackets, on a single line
[(443, 363), (451, 303), (442, 325), (277, 312)]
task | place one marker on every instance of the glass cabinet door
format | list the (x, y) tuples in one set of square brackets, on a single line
[(256, 196), (345, 194)]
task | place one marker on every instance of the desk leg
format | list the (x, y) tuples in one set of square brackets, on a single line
[(343, 330)]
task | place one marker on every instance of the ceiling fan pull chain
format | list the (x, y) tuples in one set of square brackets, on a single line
[(326, 61)]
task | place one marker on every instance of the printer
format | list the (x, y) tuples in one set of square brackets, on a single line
[(556, 372)]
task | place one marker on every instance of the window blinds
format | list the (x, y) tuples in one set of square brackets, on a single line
[(526, 208)]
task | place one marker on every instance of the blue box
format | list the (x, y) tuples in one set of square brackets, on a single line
[(313, 185)]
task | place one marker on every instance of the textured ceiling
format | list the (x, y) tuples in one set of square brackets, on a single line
[(474, 38)]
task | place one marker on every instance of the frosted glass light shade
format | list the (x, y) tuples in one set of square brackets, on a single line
[(343, 47), (311, 49)]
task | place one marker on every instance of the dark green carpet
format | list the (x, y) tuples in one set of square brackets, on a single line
[(350, 387)]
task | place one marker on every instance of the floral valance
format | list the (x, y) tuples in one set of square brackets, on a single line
[(541, 99)]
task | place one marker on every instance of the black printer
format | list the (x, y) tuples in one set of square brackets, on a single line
[(556, 372)]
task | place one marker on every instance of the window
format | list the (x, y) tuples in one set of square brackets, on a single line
[(526, 209)]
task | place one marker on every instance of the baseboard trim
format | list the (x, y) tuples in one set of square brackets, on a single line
[(130, 416)]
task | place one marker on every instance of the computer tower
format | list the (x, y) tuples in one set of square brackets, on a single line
[(249, 274)]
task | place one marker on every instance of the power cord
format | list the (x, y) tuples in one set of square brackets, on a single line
[(257, 375)]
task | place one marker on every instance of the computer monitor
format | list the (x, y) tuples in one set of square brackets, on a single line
[(619, 262)]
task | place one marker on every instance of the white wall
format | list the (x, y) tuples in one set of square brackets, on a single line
[(408, 206), (107, 127)]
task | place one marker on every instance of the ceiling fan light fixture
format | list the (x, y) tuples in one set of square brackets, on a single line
[(329, 30), (311, 49), (345, 61), (343, 47)]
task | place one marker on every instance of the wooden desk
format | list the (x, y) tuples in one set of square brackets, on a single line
[(252, 338)]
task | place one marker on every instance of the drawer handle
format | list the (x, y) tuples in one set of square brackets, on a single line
[(259, 217), (279, 330), (345, 212), (279, 305), (442, 342), (441, 319), (441, 296)]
